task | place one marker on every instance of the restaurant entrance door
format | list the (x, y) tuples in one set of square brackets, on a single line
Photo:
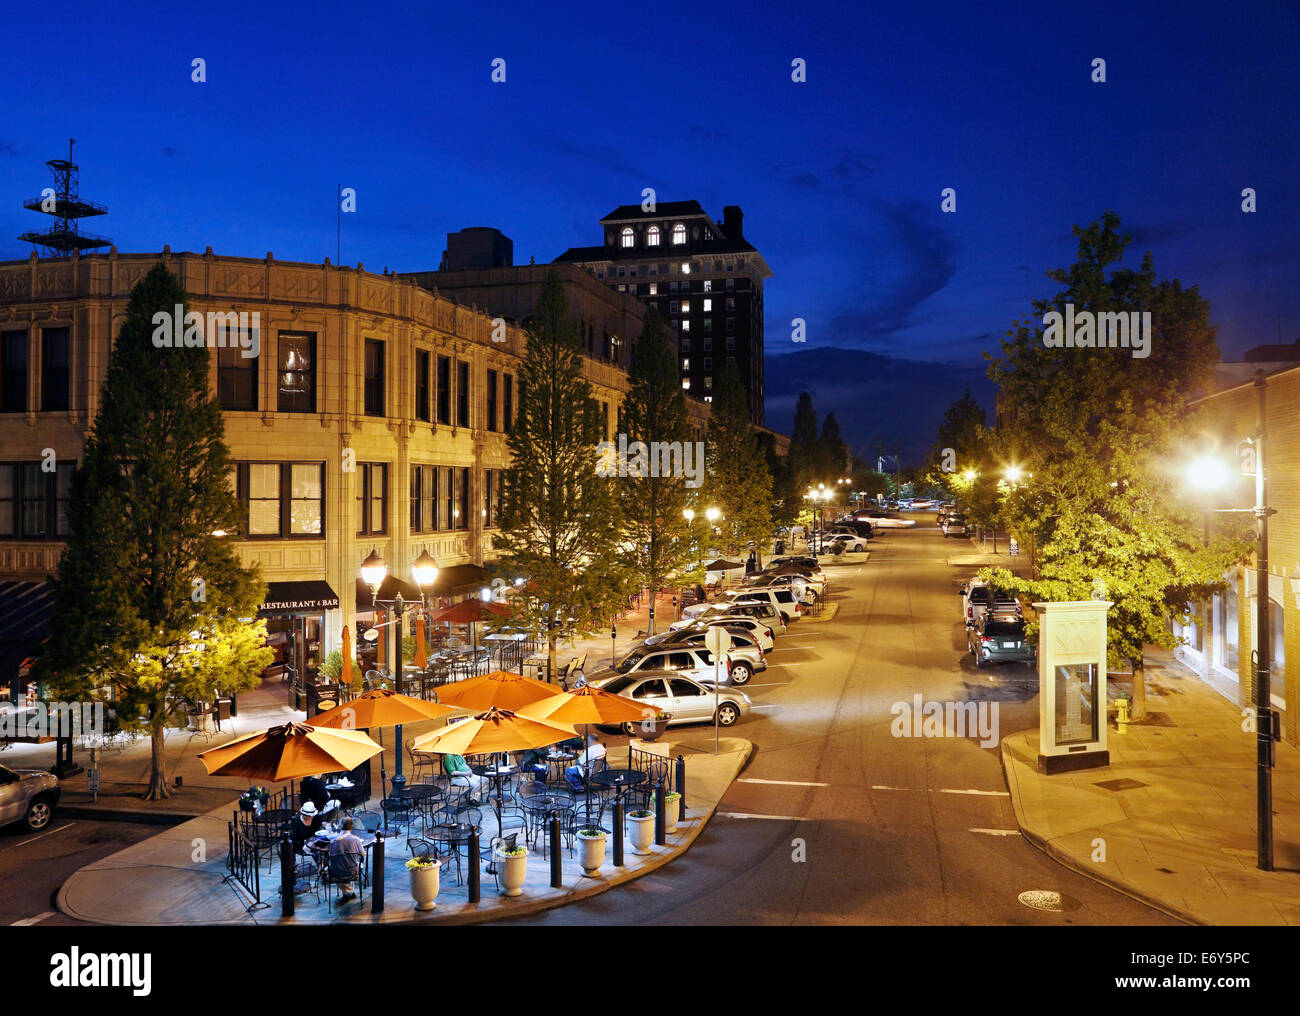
[(295, 625)]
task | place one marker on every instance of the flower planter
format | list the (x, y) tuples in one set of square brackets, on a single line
[(425, 883), (641, 831), (514, 868), (593, 852), (652, 730), (672, 805)]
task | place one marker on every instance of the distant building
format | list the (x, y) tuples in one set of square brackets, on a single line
[(704, 278), (477, 247)]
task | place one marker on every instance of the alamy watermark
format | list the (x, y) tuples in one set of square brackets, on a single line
[(53, 719), (218, 330), (658, 458), (1102, 330), (919, 718)]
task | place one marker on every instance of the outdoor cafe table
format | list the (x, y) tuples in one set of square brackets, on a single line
[(539, 806), (619, 779), (559, 761), (498, 775), (319, 844), (453, 834), (421, 795)]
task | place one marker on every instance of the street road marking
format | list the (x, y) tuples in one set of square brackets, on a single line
[(945, 790), (781, 783), (996, 832), (49, 832), (28, 921), (775, 818)]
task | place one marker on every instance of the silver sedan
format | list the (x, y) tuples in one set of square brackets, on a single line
[(685, 700)]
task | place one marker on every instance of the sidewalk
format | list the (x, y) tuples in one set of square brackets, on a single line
[(177, 877), (1174, 813)]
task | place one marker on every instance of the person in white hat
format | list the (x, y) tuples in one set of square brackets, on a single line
[(304, 825)]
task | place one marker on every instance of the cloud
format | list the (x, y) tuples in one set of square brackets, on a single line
[(844, 177), (910, 259)]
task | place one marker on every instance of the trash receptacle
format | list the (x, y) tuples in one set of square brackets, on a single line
[(223, 709), (779, 547)]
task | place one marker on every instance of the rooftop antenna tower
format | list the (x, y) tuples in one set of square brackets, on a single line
[(63, 202)]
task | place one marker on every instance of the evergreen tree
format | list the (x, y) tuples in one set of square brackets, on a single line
[(832, 453), (560, 520), (654, 413), (147, 601), (1098, 429), (803, 443), (739, 481)]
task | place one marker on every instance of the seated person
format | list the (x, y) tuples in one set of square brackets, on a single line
[(304, 826), (534, 759), (461, 775), (313, 789), (577, 774), (347, 854)]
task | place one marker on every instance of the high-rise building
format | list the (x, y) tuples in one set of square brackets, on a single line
[(703, 277)]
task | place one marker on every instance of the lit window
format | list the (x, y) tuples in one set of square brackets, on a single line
[(708, 285), (652, 237), (686, 326), (686, 268), (686, 306), (686, 363), (686, 383), (654, 287), (708, 382), (708, 398), (679, 234), (627, 237), (708, 305)]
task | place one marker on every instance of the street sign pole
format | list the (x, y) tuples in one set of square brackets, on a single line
[(717, 640)]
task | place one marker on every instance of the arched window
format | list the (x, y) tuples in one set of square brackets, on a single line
[(652, 237), (627, 236), (679, 234)]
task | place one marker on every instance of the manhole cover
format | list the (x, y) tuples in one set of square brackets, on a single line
[(1120, 784), (1046, 899)]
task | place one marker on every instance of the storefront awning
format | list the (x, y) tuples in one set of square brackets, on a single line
[(459, 576), (298, 598), (388, 590)]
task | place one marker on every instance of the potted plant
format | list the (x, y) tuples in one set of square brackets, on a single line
[(641, 830), (424, 880), (253, 799), (592, 839), (653, 727), (672, 805), (514, 868)]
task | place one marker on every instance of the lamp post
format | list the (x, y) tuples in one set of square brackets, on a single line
[(1208, 473)]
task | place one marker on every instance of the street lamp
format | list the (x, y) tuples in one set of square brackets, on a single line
[(1209, 475)]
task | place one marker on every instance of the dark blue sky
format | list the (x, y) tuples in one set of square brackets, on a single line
[(839, 177)]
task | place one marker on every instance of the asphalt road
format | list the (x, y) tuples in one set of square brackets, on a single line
[(837, 821), (34, 865)]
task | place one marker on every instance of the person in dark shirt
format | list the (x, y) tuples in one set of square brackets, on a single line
[(304, 826)]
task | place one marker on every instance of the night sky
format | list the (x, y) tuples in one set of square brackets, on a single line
[(839, 178)]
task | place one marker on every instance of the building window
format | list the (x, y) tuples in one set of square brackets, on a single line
[(627, 236), (423, 407), (280, 499), (654, 289), (263, 499), (708, 285), (462, 393), (708, 306), (462, 511), (508, 405), (236, 379), (708, 382), (372, 498), (679, 235), (708, 363), (296, 373), (448, 520), (489, 498), (13, 372), (686, 268), (708, 324), (424, 499), (686, 384), (34, 502), (731, 342), (686, 306), (730, 285), (673, 306), (306, 498), (686, 345), (55, 362), (731, 303), (491, 400), (708, 340), (686, 326), (444, 390), (731, 324), (374, 379), (652, 238), (686, 363)]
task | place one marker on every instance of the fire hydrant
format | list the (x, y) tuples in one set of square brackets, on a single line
[(1121, 719)]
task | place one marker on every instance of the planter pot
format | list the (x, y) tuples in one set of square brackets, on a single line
[(671, 807), (593, 852), (652, 731), (641, 831), (246, 805), (424, 886), (513, 871)]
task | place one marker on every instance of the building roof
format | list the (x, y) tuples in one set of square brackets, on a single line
[(662, 209)]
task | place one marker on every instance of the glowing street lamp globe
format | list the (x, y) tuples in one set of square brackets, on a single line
[(425, 570), (1209, 472), (374, 569)]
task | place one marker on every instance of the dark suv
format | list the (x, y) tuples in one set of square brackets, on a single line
[(999, 638)]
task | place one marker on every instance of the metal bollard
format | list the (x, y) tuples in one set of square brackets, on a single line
[(1121, 718), (618, 832), (681, 788), (473, 865), (557, 862), (661, 818), (288, 877), (377, 885)]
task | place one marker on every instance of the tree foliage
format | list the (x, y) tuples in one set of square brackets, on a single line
[(739, 482)]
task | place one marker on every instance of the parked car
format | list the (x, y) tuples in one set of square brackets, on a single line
[(851, 542), (978, 599), (803, 562), (695, 662), (851, 525), (954, 525), (999, 638), (922, 503), (28, 796), (889, 520), (683, 699), (805, 588), (756, 629), (783, 599), (718, 610)]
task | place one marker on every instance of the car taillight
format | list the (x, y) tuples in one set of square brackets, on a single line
[(985, 639)]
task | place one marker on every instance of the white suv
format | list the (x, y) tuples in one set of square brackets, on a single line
[(27, 796)]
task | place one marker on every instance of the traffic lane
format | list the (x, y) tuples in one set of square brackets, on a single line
[(34, 865)]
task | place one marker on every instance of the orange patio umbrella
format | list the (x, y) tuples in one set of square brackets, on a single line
[(493, 730), (346, 676), (381, 708), (379, 629), (586, 705), (288, 752), (421, 654), (500, 688)]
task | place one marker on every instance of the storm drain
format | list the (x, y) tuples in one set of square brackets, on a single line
[(1047, 899), (1122, 784)]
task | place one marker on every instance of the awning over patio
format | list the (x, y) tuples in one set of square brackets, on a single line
[(459, 576), (298, 598)]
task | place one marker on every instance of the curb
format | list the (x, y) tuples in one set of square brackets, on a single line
[(1068, 860), (163, 818), (828, 614)]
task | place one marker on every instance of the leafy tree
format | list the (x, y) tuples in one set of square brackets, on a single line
[(739, 481), (657, 534), (1097, 428), (803, 454), (147, 601), (960, 431), (560, 520)]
